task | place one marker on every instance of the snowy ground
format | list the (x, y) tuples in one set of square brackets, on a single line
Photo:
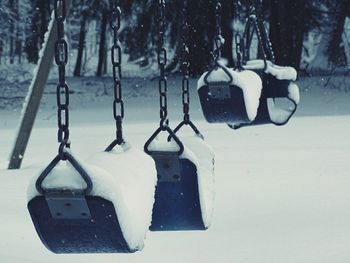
[(282, 193)]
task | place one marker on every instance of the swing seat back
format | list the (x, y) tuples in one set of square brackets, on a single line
[(223, 103), (273, 90), (74, 223), (177, 205)]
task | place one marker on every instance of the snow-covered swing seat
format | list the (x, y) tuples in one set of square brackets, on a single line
[(229, 96), (248, 95), (102, 205), (81, 207), (185, 189)]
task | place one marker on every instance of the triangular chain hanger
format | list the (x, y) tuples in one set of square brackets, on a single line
[(116, 61), (218, 42), (76, 166), (185, 63), (162, 84), (62, 94)]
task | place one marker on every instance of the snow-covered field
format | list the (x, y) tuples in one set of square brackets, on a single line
[(282, 194)]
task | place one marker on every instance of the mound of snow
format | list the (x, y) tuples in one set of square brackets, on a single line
[(205, 160), (201, 155), (281, 73), (278, 115), (247, 80), (125, 177), (293, 92)]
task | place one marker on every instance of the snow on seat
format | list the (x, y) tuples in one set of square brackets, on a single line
[(227, 95), (278, 84), (189, 202), (126, 179), (280, 73), (134, 179), (204, 158)]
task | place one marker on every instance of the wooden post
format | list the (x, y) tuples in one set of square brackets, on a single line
[(30, 108)]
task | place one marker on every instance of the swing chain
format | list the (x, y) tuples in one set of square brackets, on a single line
[(162, 59), (116, 58), (218, 41), (255, 19), (239, 48), (185, 74), (62, 90)]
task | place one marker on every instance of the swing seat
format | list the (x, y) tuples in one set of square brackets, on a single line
[(222, 103), (177, 205), (184, 193), (278, 86), (70, 222), (227, 96), (102, 219)]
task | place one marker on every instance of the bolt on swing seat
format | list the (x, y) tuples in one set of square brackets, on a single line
[(70, 218), (177, 204)]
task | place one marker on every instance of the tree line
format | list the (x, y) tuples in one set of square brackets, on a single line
[(24, 23)]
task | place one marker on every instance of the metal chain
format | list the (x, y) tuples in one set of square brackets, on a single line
[(62, 90), (238, 38), (218, 41), (116, 58), (255, 19), (262, 31), (185, 73), (162, 59), (239, 47)]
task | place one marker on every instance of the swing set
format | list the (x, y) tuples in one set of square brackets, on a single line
[(82, 220)]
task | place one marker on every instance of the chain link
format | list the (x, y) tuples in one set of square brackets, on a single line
[(62, 90), (263, 35), (185, 73), (116, 59), (162, 59), (218, 41), (239, 48), (255, 19)]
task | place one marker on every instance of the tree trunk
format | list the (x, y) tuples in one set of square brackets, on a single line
[(18, 42), (102, 47), (202, 31), (1, 50), (287, 28), (227, 31), (12, 28), (346, 40), (336, 53), (81, 45)]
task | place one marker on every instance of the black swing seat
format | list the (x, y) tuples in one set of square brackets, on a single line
[(221, 100), (276, 87), (177, 204), (73, 221), (69, 222)]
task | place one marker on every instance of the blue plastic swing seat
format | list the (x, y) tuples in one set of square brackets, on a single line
[(268, 112), (76, 223), (177, 205), (223, 102)]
